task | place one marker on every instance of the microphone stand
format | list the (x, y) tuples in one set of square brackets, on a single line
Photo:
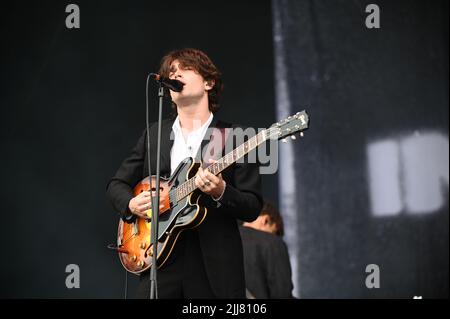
[(155, 199)]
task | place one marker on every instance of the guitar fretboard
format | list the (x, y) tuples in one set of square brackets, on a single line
[(188, 187)]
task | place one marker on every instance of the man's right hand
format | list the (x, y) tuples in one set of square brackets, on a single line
[(140, 204)]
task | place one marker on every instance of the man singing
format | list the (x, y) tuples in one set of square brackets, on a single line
[(207, 261)]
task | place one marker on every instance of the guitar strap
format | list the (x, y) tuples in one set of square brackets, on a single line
[(216, 146)]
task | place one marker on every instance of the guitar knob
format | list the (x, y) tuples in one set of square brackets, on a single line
[(293, 137), (143, 245), (133, 258), (284, 140), (150, 251), (140, 263), (301, 134)]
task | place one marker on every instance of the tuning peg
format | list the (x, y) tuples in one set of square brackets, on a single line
[(284, 140), (293, 137), (301, 134)]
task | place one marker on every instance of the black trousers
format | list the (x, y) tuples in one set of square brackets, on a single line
[(183, 275)]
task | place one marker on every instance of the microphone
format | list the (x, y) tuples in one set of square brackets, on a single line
[(174, 85)]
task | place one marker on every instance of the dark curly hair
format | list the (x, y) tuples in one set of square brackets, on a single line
[(201, 63), (274, 217)]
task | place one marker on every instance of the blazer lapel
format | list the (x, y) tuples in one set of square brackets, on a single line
[(212, 144), (166, 147)]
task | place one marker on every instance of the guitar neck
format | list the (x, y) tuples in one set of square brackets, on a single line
[(188, 187)]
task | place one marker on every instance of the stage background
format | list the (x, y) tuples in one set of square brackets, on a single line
[(371, 176), (73, 106), (367, 185)]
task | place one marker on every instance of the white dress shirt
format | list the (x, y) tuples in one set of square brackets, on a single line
[(186, 146)]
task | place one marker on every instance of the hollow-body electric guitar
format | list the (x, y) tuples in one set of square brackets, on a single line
[(180, 209)]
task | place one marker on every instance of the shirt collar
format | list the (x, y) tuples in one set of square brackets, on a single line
[(176, 126)]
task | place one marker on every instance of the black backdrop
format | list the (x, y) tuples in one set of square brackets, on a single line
[(73, 104)]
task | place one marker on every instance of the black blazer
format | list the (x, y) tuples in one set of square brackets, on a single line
[(218, 234), (267, 266)]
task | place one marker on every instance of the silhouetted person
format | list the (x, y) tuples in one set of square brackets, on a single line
[(266, 259)]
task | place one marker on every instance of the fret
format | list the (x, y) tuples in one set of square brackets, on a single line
[(185, 188), (253, 142), (190, 185), (263, 136), (258, 138), (241, 151)]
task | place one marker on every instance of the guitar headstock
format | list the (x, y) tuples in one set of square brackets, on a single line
[(289, 126)]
